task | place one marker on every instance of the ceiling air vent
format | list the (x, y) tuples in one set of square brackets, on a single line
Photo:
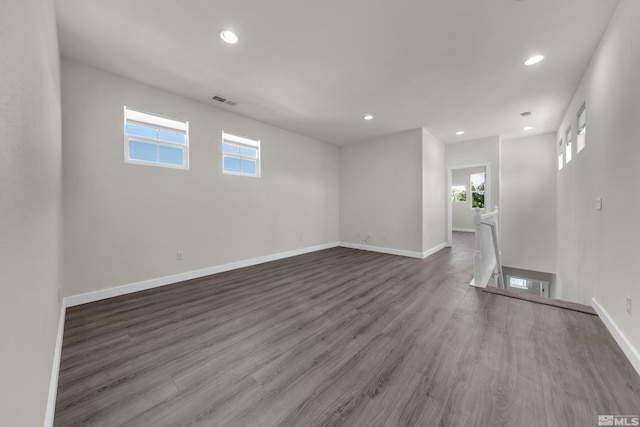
[(224, 100)]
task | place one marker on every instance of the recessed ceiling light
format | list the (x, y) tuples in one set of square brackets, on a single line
[(368, 117), (229, 36), (534, 60), (460, 132), (528, 128)]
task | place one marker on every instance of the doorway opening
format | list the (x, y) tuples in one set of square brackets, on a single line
[(469, 187)]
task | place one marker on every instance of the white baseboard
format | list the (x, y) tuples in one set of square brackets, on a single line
[(434, 249), (180, 277), (392, 251), (627, 348), (465, 230), (55, 369), (74, 300)]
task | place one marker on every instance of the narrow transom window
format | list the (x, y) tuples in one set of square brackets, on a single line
[(582, 128), (240, 156), (150, 139), (560, 156), (569, 139)]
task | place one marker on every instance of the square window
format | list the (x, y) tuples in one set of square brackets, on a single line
[(240, 156), (155, 140), (458, 193)]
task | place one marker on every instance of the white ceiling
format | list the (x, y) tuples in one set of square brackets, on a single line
[(317, 67)]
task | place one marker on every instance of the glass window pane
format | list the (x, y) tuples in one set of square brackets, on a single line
[(136, 130), (458, 193), (142, 151), (231, 164), (171, 155), (477, 190), (164, 135), (230, 148), (249, 166), (582, 139), (249, 152)]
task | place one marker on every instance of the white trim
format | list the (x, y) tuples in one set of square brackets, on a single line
[(131, 114), (433, 250), (55, 369), (627, 348), (487, 194), (167, 280), (236, 139), (488, 273), (465, 230), (392, 251)]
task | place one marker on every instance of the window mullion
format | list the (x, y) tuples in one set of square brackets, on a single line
[(155, 126)]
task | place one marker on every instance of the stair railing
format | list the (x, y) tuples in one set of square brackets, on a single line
[(487, 262)]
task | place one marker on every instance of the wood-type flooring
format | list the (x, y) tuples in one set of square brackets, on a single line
[(339, 337)]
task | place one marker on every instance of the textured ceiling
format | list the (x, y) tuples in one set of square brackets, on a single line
[(317, 67)]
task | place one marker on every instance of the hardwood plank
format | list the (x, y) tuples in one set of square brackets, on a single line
[(339, 337)]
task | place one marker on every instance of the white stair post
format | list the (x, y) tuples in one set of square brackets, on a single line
[(477, 220)]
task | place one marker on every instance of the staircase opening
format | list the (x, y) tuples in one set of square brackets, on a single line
[(528, 281)]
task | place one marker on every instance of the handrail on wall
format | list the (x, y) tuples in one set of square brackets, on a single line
[(487, 250)]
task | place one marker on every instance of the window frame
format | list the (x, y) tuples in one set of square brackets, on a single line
[(471, 191), (560, 156), (241, 142), (581, 130), (569, 145), (157, 122), (455, 190)]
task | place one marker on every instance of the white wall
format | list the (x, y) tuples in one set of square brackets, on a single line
[(434, 225), (381, 191), (30, 194), (124, 223), (598, 250), (528, 203), (462, 212), (480, 151)]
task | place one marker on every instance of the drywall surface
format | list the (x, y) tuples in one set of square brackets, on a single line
[(462, 211), (528, 203), (381, 192), (598, 249), (125, 223), (434, 225), (30, 207), (477, 152)]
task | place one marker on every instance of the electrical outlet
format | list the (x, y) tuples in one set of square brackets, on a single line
[(179, 255), (629, 305), (599, 203)]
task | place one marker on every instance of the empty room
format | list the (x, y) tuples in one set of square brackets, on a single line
[(296, 213)]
